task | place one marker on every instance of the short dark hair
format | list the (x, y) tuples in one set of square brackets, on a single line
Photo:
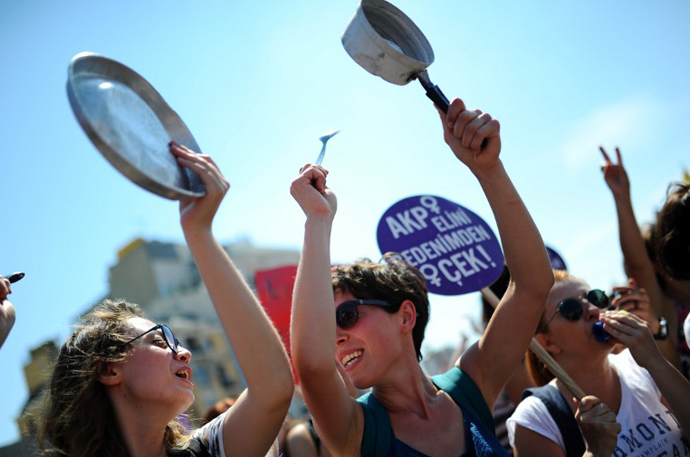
[(672, 235), (394, 281)]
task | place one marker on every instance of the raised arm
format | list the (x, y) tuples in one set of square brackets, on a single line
[(313, 331), (253, 422), (637, 261), (636, 301), (474, 138), (7, 313)]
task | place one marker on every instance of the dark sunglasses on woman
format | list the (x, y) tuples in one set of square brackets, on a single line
[(168, 337), (571, 308), (347, 314)]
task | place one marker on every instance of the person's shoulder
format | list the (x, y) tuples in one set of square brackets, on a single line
[(529, 407), (532, 414), (300, 433), (209, 437)]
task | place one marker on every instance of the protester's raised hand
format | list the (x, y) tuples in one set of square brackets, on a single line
[(198, 213), (599, 426), (634, 333), (614, 174), (312, 193), (473, 136), (635, 300), (7, 312)]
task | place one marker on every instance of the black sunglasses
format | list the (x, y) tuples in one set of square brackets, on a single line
[(571, 308), (168, 337), (347, 314)]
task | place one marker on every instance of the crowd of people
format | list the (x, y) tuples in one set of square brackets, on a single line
[(121, 382)]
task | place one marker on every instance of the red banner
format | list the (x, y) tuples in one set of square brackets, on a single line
[(274, 288)]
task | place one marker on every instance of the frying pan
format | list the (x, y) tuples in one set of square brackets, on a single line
[(131, 125), (386, 43)]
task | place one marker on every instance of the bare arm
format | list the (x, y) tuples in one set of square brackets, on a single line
[(475, 139), (636, 301), (634, 251), (299, 442), (313, 332), (7, 312), (529, 443), (253, 422), (518, 383), (636, 335)]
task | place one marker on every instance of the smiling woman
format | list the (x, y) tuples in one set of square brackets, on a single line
[(382, 311), (121, 381)]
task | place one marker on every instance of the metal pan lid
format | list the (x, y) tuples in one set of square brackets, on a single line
[(131, 125)]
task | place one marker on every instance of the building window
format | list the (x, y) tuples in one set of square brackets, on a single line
[(194, 345), (225, 380)]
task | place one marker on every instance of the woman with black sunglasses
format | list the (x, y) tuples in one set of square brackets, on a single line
[(381, 311), (637, 403), (121, 381)]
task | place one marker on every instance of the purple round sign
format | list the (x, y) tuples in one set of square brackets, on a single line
[(454, 248), (557, 262)]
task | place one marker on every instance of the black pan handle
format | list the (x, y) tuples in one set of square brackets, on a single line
[(436, 96), (14, 277)]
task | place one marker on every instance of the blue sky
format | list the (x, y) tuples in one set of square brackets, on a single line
[(258, 82)]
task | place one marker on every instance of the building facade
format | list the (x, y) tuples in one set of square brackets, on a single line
[(162, 278)]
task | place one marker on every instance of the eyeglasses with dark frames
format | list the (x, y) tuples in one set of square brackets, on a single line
[(168, 337), (571, 308)]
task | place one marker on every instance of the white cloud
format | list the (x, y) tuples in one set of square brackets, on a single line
[(631, 121)]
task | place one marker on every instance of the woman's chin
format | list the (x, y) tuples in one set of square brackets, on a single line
[(186, 403)]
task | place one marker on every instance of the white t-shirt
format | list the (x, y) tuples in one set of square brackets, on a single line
[(648, 428), (211, 437)]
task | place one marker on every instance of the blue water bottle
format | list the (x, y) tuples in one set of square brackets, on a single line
[(599, 333)]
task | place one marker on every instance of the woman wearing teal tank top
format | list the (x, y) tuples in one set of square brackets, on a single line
[(382, 311)]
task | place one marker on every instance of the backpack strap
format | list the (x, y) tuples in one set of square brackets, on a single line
[(377, 438), (562, 415)]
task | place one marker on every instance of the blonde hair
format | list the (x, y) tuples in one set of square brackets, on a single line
[(536, 369)]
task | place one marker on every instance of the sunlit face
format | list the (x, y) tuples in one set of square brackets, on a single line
[(369, 347), (153, 374), (572, 335)]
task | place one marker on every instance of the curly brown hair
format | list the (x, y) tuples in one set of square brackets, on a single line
[(394, 281), (79, 419)]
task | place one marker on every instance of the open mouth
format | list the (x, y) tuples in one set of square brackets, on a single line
[(351, 358), (184, 373)]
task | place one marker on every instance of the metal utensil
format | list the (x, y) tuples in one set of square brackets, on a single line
[(386, 43), (324, 139), (131, 125)]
